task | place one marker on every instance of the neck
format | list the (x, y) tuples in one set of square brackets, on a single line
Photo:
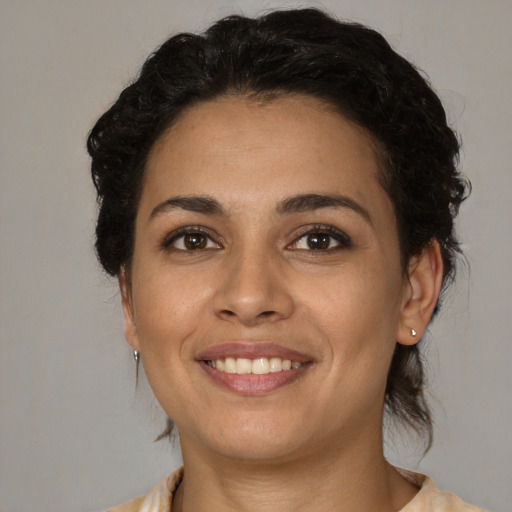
[(348, 479)]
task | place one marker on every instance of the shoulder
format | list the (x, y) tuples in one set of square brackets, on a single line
[(157, 500), (428, 499), (130, 506), (431, 499)]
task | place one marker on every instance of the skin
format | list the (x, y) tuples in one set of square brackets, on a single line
[(256, 280)]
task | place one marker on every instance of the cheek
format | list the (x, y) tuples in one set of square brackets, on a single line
[(168, 315), (356, 312), (168, 310), (361, 298)]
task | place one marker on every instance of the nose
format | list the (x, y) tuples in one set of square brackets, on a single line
[(253, 290)]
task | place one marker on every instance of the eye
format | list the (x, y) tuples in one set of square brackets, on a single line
[(322, 238), (190, 240)]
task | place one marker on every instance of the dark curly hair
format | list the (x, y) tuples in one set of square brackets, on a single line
[(347, 65)]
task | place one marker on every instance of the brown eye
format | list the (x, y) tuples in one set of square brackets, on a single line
[(194, 241), (191, 240), (318, 241), (322, 239)]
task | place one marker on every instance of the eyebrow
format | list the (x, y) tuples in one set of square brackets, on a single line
[(200, 204), (297, 204), (310, 202)]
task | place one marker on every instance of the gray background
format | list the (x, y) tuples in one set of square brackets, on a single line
[(75, 435)]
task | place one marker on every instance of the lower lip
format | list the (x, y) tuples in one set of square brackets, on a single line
[(252, 385)]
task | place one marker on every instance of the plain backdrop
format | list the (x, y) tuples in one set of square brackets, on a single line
[(75, 434)]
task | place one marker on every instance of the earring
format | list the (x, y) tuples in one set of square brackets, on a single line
[(136, 356), (413, 332)]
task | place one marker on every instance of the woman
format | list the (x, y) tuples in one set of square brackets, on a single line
[(277, 199)]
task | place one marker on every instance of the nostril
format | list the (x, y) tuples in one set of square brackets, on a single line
[(252, 300), (264, 316)]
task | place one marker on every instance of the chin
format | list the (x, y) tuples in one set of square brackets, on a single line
[(250, 437), (260, 447)]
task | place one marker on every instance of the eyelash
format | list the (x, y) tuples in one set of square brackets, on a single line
[(342, 239), (170, 239)]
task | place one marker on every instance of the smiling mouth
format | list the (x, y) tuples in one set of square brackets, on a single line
[(257, 366), (253, 368)]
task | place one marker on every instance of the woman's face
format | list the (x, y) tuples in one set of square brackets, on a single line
[(264, 240)]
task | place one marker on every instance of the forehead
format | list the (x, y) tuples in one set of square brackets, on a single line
[(242, 151)]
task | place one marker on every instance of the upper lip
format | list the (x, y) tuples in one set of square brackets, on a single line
[(251, 350)]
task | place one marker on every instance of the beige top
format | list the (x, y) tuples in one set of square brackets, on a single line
[(428, 499)]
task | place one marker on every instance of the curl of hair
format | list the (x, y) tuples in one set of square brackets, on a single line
[(304, 51)]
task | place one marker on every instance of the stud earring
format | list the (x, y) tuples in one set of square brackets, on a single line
[(136, 356), (413, 332)]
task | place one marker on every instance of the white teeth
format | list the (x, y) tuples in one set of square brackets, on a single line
[(230, 365), (243, 366), (259, 366), (276, 364)]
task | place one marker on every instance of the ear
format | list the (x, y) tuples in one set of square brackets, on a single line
[(130, 330), (421, 294)]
